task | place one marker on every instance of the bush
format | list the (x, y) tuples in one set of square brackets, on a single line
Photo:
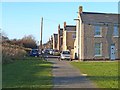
[(12, 52)]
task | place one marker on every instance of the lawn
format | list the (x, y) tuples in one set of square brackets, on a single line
[(104, 74), (28, 73)]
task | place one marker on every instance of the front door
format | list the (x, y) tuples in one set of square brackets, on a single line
[(113, 51)]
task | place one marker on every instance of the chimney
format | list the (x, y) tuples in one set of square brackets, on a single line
[(64, 24), (58, 26), (80, 9)]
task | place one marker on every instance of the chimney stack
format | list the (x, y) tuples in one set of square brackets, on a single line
[(64, 24), (80, 9), (58, 26)]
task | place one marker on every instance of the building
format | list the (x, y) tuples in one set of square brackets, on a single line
[(48, 44), (69, 35), (55, 41), (60, 38), (97, 36)]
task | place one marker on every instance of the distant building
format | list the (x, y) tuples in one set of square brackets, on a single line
[(60, 38), (69, 36), (55, 41), (49, 44)]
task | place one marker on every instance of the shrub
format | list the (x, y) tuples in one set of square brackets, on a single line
[(12, 52)]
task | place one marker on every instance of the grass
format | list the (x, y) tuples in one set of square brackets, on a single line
[(104, 74), (28, 73)]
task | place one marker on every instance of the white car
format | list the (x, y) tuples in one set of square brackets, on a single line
[(65, 55), (51, 52)]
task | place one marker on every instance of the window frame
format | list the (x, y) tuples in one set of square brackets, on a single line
[(98, 49), (96, 30), (73, 36), (117, 28)]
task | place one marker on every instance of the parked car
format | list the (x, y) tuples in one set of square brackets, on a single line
[(46, 51), (65, 55), (51, 52), (56, 52), (34, 52)]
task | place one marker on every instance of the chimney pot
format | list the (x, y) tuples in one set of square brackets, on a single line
[(64, 24), (80, 9), (59, 26)]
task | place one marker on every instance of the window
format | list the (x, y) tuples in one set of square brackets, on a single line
[(97, 31), (73, 36), (115, 31), (98, 49)]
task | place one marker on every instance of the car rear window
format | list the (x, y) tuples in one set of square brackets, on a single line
[(56, 50), (34, 50), (66, 52)]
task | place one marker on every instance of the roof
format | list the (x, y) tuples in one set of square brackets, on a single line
[(55, 35), (61, 32), (92, 17), (70, 28)]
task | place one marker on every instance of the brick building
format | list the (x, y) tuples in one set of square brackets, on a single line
[(60, 38), (69, 35)]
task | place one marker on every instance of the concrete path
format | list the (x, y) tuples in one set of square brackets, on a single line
[(66, 76)]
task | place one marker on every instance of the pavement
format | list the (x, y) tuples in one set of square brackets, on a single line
[(67, 76), (50, 56)]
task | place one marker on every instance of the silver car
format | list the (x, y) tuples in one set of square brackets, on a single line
[(65, 55)]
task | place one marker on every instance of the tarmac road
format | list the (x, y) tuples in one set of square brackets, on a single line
[(66, 76)]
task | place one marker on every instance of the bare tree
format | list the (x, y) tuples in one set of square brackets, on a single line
[(29, 41)]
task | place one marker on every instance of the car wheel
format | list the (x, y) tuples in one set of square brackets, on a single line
[(61, 59)]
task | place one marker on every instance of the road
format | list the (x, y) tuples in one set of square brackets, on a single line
[(66, 76), (50, 56)]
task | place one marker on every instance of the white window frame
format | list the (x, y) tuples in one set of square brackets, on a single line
[(115, 28), (100, 50), (95, 29)]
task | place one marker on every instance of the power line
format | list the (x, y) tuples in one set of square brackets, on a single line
[(54, 21)]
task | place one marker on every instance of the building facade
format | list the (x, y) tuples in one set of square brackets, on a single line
[(60, 38), (97, 36), (69, 35), (55, 41)]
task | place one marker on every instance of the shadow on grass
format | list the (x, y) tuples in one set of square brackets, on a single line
[(26, 89), (31, 74)]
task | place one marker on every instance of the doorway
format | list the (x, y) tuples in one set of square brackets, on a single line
[(113, 52)]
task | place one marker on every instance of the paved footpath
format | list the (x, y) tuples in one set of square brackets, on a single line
[(66, 76)]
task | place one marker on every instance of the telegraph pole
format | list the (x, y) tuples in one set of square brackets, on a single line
[(41, 35)]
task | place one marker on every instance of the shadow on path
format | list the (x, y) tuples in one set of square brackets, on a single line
[(66, 76)]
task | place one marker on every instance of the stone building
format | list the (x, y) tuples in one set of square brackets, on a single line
[(97, 36)]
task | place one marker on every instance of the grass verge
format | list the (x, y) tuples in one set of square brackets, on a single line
[(28, 73), (104, 74)]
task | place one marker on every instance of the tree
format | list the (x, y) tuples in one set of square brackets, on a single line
[(29, 42), (3, 37)]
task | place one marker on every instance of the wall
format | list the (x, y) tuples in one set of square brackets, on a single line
[(107, 39), (64, 41), (70, 40)]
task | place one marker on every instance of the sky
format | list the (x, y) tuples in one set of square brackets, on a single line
[(24, 18)]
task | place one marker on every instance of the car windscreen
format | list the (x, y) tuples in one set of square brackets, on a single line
[(66, 52)]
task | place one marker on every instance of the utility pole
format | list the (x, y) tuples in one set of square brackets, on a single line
[(41, 35)]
